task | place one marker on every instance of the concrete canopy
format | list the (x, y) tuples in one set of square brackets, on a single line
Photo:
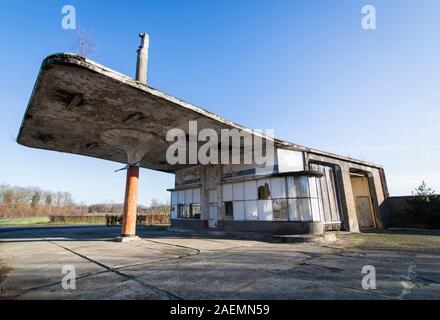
[(80, 107)]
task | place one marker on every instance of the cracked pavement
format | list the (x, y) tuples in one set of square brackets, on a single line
[(191, 265)]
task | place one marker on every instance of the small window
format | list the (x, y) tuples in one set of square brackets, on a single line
[(183, 211), (229, 210), (263, 192), (188, 211)]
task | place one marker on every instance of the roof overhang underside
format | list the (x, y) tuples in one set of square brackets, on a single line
[(80, 107)]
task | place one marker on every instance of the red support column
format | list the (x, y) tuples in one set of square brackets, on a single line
[(130, 203)]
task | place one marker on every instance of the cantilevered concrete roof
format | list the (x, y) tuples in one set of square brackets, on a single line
[(81, 107)]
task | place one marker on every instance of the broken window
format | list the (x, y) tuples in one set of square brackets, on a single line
[(195, 210), (264, 192), (279, 209), (229, 210)]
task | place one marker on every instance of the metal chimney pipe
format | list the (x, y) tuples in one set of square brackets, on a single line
[(142, 59)]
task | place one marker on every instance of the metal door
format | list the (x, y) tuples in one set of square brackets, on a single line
[(364, 212)]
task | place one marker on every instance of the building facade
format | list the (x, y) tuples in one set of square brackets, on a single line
[(305, 192), (81, 107)]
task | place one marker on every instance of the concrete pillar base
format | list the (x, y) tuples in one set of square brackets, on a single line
[(127, 239)]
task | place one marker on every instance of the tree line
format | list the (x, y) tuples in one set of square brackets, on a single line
[(34, 202)]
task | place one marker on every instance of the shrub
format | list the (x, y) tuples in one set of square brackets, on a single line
[(425, 206)]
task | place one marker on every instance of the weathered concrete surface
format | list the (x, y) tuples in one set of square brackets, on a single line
[(77, 103), (169, 265)]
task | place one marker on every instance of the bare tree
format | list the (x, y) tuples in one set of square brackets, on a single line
[(84, 43)]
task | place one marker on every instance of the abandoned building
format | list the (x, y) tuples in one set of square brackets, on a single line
[(84, 108)]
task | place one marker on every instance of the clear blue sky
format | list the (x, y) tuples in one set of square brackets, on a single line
[(305, 68)]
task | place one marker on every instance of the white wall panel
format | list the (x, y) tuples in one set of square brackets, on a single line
[(294, 213), (315, 210), (278, 188), (239, 211), (196, 195), (238, 191), (189, 196), (250, 190), (291, 188), (251, 208), (313, 187), (227, 192), (173, 197), (305, 209), (265, 210), (181, 197), (289, 160), (262, 182)]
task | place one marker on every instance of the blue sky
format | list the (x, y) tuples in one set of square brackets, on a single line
[(305, 68)]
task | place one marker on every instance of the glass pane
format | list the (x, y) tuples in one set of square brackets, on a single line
[(302, 187), (291, 187), (280, 212), (305, 210), (294, 213)]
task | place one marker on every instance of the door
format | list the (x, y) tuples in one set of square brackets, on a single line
[(212, 209), (362, 198), (364, 212)]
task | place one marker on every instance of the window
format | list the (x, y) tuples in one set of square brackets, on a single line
[(188, 211), (229, 210), (280, 211), (264, 192), (302, 187), (185, 204), (182, 211)]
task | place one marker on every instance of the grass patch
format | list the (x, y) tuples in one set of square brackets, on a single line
[(25, 222), (391, 240)]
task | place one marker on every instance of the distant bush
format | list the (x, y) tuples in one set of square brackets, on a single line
[(141, 219), (62, 219)]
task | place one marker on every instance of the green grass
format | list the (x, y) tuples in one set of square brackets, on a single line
[(391, 240), (25, 222)]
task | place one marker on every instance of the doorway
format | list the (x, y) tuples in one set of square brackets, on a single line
[(363, 201)]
